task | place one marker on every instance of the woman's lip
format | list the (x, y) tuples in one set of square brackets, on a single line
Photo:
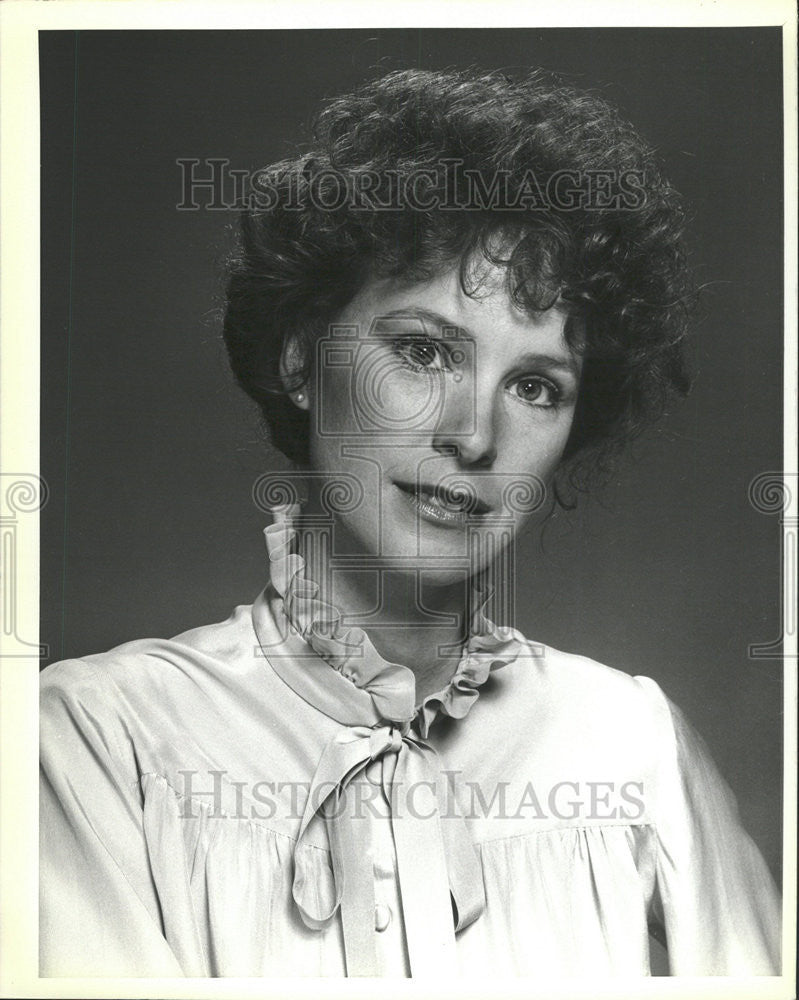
[(423, 499), (432, 511), (472, 506)]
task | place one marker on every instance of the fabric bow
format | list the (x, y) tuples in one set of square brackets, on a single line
[(439, 869)]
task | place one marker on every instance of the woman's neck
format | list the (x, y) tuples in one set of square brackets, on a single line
[(408, 621)]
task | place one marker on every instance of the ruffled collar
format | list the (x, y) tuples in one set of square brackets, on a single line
[(391, 687)]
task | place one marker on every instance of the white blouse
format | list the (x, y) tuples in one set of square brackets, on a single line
[(262, 797)]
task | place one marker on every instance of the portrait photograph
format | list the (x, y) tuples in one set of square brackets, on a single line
[(409, 516)]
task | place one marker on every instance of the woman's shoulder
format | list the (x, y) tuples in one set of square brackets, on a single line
[(150, 673), (573, 700), (582, 683)]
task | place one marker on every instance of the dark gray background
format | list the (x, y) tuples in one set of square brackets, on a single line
[(149, 452)]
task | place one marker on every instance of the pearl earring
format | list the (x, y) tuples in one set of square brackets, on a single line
[(299, 397)]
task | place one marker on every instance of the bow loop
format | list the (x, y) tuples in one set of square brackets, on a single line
[(438, 865), (385, 739)]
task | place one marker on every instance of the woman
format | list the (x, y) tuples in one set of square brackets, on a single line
[(461, 300)]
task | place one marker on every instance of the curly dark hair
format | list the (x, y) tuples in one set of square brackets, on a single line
[(615, 259)]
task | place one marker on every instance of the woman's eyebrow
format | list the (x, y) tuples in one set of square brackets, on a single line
[(566, 362), (429, 315)]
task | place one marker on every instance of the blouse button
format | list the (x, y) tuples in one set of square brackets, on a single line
[(382, 917)]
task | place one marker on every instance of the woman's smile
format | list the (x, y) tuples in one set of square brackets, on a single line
[(439, 505)]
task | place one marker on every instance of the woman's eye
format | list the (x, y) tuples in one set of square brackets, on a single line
[(536, 391), (420, 354)]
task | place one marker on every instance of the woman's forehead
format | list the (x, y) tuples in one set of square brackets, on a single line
[(445, 293), (486, 310)]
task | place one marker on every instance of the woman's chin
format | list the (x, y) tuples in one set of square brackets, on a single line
[(440, 559)]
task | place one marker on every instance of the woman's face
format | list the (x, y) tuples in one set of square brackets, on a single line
[(444, 416)]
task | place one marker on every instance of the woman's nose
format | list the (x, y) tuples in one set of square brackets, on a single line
[(467, 426)]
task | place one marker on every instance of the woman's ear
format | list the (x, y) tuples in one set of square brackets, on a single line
[(291, 358)]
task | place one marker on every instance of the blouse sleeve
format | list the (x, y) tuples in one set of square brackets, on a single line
[(716, 898), (99, 909)]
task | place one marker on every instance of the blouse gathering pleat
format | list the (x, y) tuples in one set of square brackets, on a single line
[(214, 871)]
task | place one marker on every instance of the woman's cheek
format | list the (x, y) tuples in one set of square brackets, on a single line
[(407, 402)]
